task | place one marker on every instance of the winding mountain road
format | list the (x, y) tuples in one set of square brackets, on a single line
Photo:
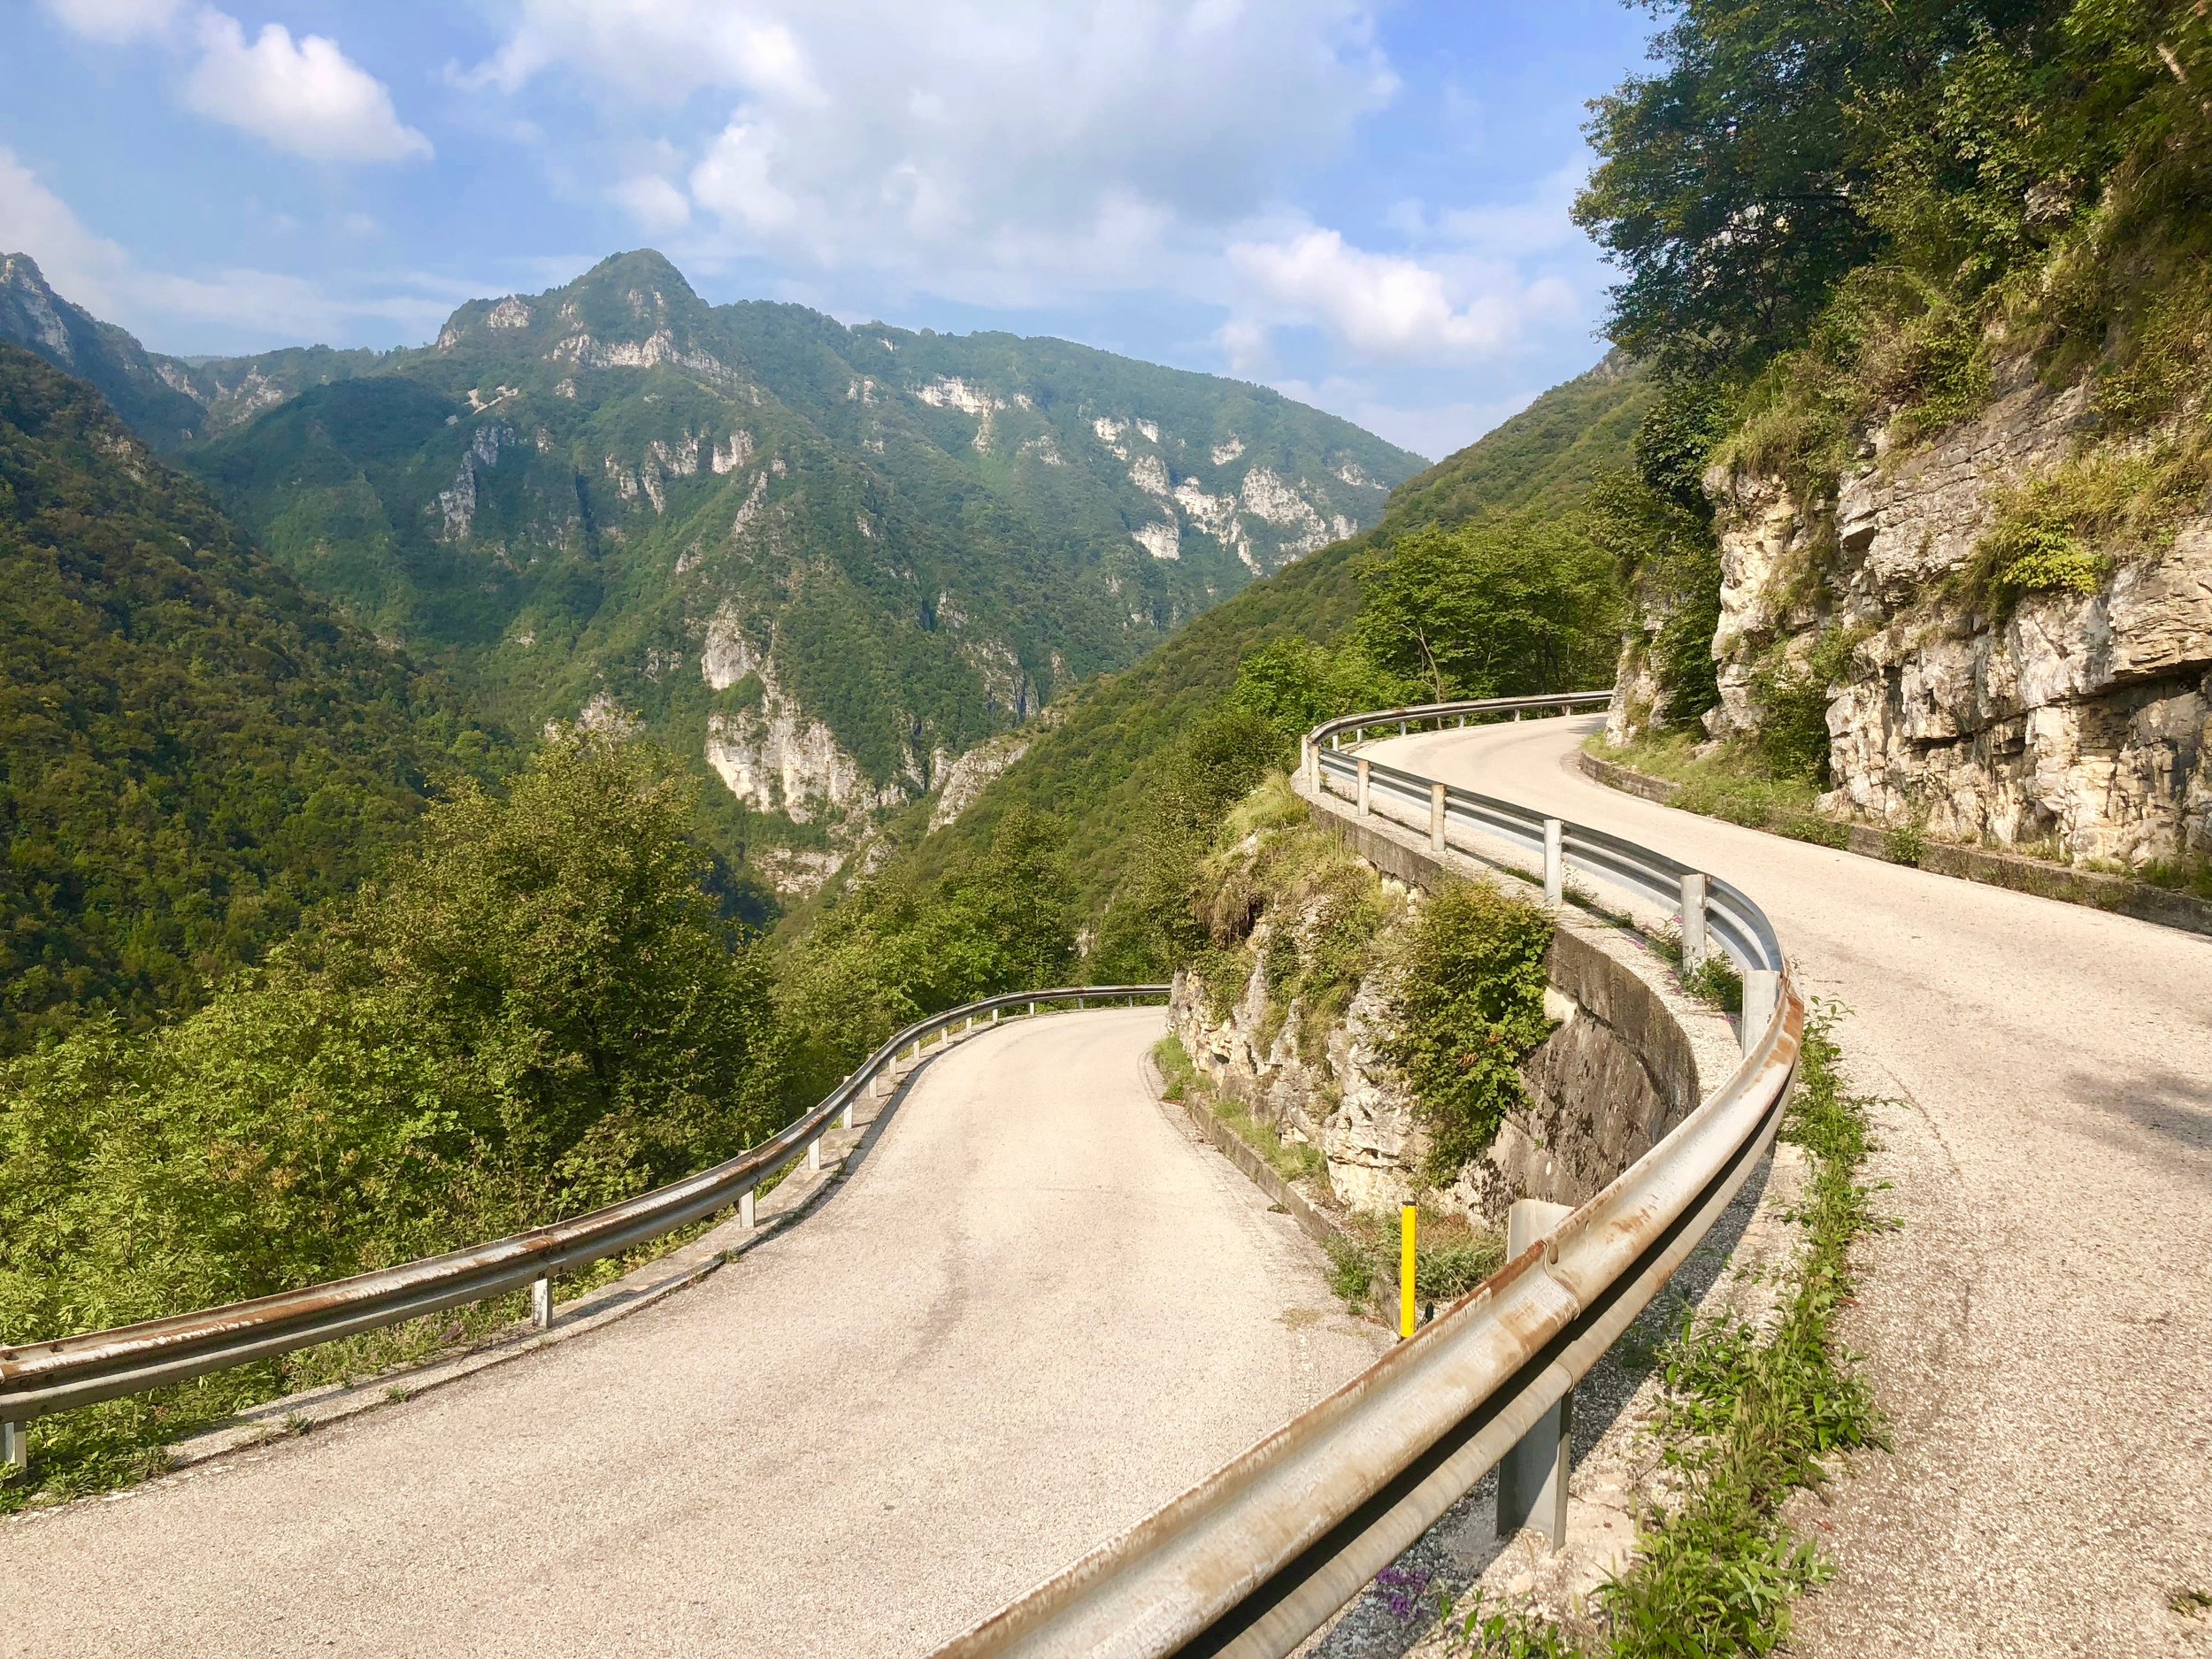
[(2040, 1327), (1037, 1308)]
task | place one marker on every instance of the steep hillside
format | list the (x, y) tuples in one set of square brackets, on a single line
[(191, 751), (1932, 474), (1090, 770), (169, 401), (827, 561)]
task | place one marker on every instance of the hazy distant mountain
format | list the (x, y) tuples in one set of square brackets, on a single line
[(827, 560), (169, 401)]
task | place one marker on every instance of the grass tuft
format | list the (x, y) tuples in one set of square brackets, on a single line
[(1755, 1411)]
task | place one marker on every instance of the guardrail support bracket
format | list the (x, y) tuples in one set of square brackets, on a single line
[(1695, 938), (1761, 990), (1532, 1477), (541, 1302), (15, 1445)]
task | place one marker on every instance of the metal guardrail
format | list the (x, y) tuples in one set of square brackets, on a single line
[(1739, 925), (1255, 1557), (1414, 714), (41, 1377)]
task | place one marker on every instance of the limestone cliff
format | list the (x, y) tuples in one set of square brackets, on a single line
[(1272, 1024), (2072, 721)]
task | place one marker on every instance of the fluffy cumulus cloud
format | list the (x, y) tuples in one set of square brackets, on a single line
[(302, 94), (1392, 305), (998, 153), (116, 22)]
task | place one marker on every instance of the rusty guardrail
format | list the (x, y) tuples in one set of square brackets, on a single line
[(37, 1379), (1256, 1557)]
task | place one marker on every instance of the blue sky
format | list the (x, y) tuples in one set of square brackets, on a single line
[(1364, 205)]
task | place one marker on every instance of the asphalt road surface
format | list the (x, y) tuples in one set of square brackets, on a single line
[(2039, 1328), (1037, 1310)]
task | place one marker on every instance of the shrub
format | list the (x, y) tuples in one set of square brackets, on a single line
[(1468, 1008)]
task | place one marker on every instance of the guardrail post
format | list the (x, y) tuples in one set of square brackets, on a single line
[(1079, 1002), (1436, 817), (1309, 760), (1555, 862), (1032, 1007), (1761, 990), (1362, 785), (745, 1208), (541, 1302), (814, 1155), (845, 1117), (15, 1445), (1695, 939), (1532, 1477)]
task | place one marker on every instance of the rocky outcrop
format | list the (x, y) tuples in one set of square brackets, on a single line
[(2078, 723), (774, 756), (1616, 1073), (1348, 1101), (961, 780)]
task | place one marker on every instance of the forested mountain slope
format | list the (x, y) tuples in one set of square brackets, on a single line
[(824, 560), (192, 751), (1093, 768)]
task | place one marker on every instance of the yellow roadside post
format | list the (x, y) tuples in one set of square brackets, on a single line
[(1408, 1220)]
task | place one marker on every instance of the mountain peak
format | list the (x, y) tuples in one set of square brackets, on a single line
[(19, 270), (33, 315), (625, 297), (647, 265)]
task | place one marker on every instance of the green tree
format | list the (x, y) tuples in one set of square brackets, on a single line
[(1294, 684), (1489, 610), (565, 936), (1149, 929), (1004, 921), (542, 1011)]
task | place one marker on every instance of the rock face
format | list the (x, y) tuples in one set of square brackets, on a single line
[(1349, 1103), (774, 756), (1593, 1104), (2081, 723)]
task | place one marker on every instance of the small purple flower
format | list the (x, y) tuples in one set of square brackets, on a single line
[(1402, 1590)]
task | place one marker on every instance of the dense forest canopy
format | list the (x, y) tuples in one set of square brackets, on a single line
[(193, 753)]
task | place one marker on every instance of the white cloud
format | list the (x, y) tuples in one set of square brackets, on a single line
[(736, 180), (657, 205), (658, 51), (261, 305), (116, 22), (992, 152), (306, 96), (34, 221), (1390, 306)]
